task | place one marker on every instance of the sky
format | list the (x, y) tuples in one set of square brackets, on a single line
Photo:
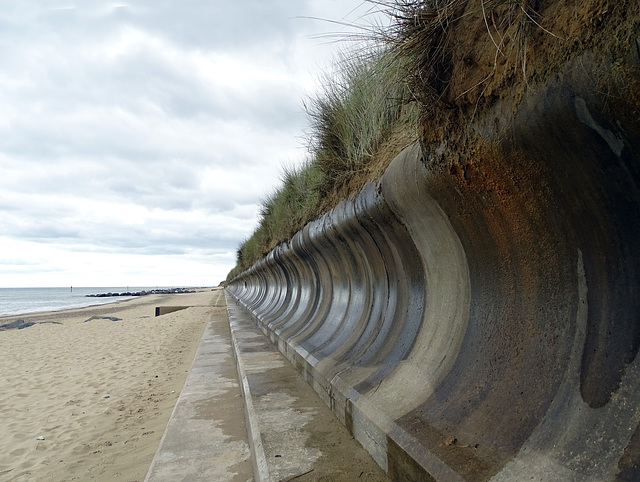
[(137, 138)]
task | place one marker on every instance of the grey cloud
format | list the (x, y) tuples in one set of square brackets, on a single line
[(118, 134), (48, 231), (17, 262), (219, 24), (163, 238)]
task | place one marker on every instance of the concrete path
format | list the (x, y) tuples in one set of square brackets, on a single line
[(206, 437), (294, 435), (268, 425)]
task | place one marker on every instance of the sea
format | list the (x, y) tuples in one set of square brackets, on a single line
[(21, 301)]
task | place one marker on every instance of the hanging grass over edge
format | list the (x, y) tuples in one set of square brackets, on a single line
[(362, 104), (358, 109)]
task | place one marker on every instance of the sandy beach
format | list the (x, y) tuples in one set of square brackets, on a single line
[(84, 397)]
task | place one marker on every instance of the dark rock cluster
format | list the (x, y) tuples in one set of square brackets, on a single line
[(16, 325), (168, 291), (21, 324), (110, 318)]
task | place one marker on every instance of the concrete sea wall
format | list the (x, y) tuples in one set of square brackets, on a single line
[(475, 314)]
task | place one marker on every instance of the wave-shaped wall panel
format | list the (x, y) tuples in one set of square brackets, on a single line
[(478, 318)]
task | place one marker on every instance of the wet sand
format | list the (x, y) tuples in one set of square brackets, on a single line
[(100, 392)]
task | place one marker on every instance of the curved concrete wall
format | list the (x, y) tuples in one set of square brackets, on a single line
[(479, 319)]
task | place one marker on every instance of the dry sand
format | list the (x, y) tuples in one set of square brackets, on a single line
[(100, 392)]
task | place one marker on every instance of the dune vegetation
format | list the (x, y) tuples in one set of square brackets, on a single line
[(366, 103), (425, 77)]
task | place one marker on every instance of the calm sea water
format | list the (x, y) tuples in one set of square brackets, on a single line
[(18, 301)]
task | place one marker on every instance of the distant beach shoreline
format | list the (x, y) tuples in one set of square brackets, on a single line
[(27, 301), (87, 392)]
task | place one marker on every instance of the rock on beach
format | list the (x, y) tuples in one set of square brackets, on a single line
[(169, 291)]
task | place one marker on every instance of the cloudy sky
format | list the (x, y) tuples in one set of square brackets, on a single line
[(136, 138)]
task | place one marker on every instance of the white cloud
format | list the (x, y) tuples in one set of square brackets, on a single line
[(137, 139)]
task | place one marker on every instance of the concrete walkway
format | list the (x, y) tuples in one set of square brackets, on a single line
[(294, 435), (282, 431), (206, 437)]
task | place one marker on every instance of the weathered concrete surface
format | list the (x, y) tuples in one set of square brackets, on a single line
[(292, 433), (206, 438), (244, 414), (475, 315)]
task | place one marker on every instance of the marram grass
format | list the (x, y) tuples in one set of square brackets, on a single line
[(360, 107)]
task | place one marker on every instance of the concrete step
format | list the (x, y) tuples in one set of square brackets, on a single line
[(245, 414), (293, 435), (206, 436)]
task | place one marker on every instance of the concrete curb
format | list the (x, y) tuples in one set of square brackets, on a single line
[(292, 433), (202, 440), (259, 460), (153, 469)]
